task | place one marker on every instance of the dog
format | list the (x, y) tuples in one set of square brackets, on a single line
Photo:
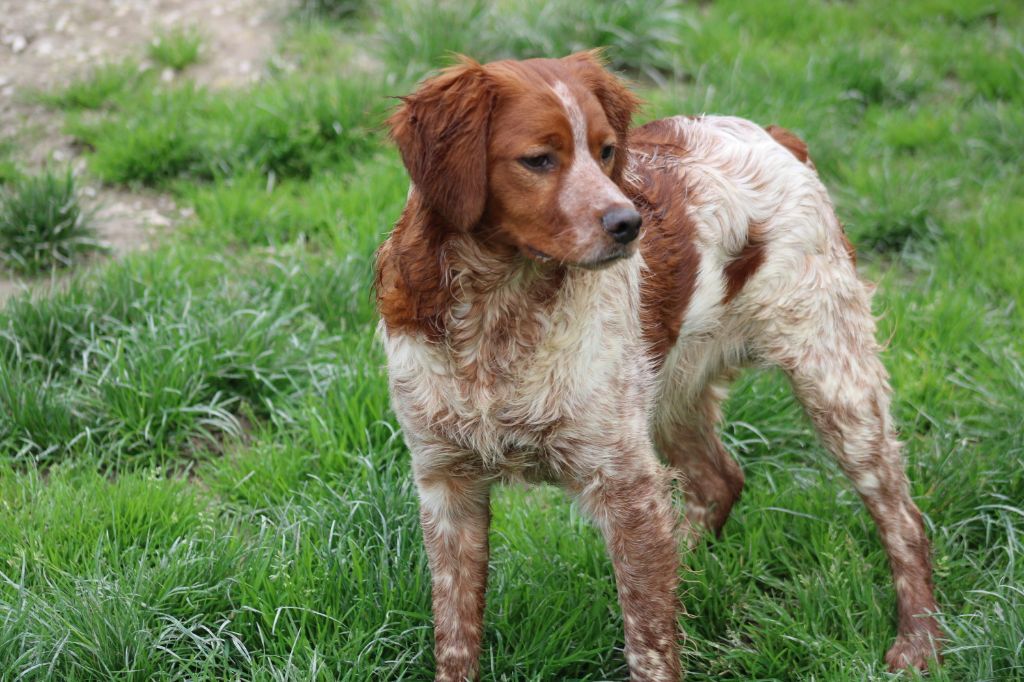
[(563, 298)]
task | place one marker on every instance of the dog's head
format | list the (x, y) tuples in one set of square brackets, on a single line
[(527, 153)]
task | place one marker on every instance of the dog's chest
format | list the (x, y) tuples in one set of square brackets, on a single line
[(514, 378)]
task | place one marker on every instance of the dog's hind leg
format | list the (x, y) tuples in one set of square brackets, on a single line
[(826, 344), (687, 437)]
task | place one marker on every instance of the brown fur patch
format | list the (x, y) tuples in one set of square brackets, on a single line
[(410, 281), (442, 131), (851, 251), (741, 268), (790, 141), (661, 135), (668, 244)]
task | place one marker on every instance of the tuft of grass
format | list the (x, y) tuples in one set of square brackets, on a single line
[(891, 204), (97, 89), (868, 74), (990, 65), (414, 36), (142, 145), (176, 49), (8, 168), (42, 224), (913, 131), (330, 9), (36, 421), (640, 36)]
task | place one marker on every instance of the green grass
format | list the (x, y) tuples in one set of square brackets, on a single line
[(96, 88), (200, 476), (280, 129), (330, 9), (42, 224), (640, 35), (176, 49), (9, 170)]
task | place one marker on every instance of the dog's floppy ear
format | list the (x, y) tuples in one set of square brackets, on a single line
[(616, 98), (441, 131)]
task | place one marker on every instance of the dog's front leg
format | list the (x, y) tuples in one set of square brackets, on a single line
[(455, 515), (632, 507)]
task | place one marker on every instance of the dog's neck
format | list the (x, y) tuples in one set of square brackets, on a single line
[(428, 273), (478, 263), (495, 286), (504, 306)]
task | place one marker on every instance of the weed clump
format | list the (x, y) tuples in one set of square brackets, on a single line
[(176, 49), (330, 9), (42, 224), (96, 89)]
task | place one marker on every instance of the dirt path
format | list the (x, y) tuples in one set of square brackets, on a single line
[(47, 43)]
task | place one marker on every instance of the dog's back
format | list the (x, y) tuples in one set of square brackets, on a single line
[(737, 223)]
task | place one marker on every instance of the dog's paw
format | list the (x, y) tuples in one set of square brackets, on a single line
[(914, 651)]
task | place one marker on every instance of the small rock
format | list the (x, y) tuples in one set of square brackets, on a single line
[(167, 75), (44, 47), (155, 219), (18, 43)]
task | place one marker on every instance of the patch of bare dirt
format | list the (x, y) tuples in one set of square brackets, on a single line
[(45, 44)]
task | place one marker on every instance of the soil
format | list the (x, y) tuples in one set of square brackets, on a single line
[(45, 44)]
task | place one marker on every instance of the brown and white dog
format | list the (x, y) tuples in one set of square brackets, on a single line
[(534, 332)]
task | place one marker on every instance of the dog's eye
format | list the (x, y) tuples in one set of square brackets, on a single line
[(607, 153), (540, 162)]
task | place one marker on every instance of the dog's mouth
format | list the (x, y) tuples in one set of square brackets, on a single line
[(605, 261), (537, 254), (596, 264)]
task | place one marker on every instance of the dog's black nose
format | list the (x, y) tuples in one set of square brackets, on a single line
[(623, 224)]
